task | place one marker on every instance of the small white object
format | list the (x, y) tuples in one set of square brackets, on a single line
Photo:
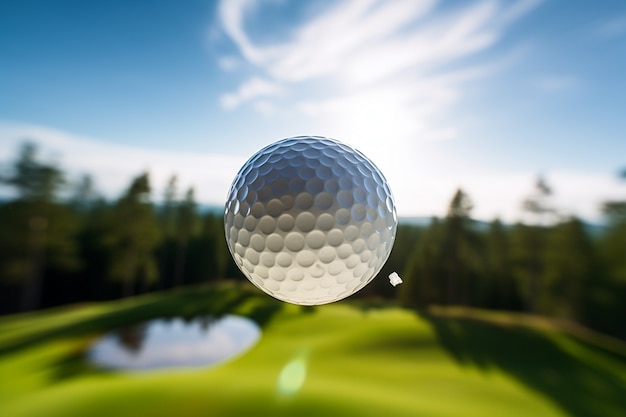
[(395, 279)]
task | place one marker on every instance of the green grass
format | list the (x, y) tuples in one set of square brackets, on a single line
[(344, 359)]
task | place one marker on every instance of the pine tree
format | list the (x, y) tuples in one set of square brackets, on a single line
[(40, 232), (85, 194), (132, 237), (498, 268), (459, 251), (424, 269), (212, 259), (223, 260), (186, 219), (569, 270), (537, 204), (614, 243), (529, 243), (607, 305), (528, 246), (167, 223)]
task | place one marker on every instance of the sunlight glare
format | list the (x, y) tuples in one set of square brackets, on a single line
[(292, 376)]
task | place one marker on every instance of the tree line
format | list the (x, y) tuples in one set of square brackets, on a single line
[(63, 243)]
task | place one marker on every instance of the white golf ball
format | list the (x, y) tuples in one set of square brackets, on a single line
[(310, 220)]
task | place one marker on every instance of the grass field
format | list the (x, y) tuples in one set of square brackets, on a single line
[(344, 359)]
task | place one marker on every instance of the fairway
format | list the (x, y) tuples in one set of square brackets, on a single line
[(342, 359)]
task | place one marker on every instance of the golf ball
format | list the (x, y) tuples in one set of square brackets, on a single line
[(310, 220)]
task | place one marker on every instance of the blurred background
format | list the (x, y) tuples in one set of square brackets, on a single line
[(500, 126), (113, 113)]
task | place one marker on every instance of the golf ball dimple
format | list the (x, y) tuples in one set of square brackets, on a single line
[(310, 220)]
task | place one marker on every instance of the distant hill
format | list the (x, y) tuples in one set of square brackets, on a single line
[(594, 229)]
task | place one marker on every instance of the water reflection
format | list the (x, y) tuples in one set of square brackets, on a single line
[(131, 338), (166, 343)]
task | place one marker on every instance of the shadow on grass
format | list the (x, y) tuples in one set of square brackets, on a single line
[(187, 303), (373, 304), (574, 382)]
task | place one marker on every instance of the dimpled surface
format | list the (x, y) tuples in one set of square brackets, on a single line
[(310, 220)]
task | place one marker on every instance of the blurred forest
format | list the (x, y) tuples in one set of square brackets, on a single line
[(61, 242)]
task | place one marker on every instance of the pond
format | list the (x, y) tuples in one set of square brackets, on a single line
[(175, 343)]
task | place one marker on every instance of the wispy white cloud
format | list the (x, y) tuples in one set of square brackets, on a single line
[(361, 45), (232, 15), (354, 42), (253, 88), (362, 70)]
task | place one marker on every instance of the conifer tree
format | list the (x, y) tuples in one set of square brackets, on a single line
[(498, 268), (569, 270), (167, 223), (186, 219), (132, 237), (529, 243), (459, 251), (527, 248), (423, 270), (614, 243), (609, 307), (39, 231), (85, 194)]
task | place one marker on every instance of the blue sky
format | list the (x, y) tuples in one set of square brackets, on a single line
[(483, 95)]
